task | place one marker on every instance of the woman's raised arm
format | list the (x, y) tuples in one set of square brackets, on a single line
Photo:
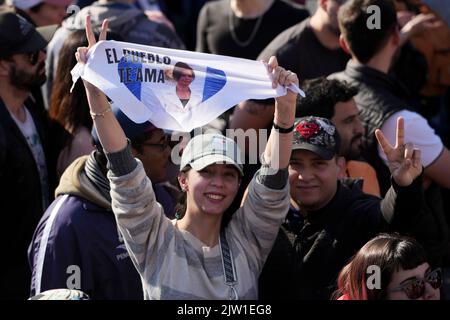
[(108, 128)]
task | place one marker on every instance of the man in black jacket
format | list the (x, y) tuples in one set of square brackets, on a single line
[(25, 174), (330, 220)]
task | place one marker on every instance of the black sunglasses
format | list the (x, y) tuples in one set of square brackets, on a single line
[(34, 57), (415, 288)]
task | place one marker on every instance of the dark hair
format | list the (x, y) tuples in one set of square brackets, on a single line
[(37, 7), (71, 110), (177, 73), (181, 206), (363, 42), (138, 141), (390, 252), (321, 97)]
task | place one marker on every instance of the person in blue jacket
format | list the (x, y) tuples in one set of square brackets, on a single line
[(76, 244)]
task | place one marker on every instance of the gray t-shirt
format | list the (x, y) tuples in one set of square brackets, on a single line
[(298, 49)]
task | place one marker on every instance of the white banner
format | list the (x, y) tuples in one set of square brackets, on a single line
[(174, 89)]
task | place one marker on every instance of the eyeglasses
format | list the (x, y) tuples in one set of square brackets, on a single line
[(162, 146), (34, 57), (415, 288)]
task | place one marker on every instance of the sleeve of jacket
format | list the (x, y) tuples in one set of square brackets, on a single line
[(411, 215), (56, 257), (402, 206)]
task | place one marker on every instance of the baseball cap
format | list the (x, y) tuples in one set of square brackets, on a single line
[(316, 134), (206, 149), (132, 130), (17, 35), (27, 4)]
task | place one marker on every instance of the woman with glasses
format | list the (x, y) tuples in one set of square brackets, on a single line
[(389, 267)]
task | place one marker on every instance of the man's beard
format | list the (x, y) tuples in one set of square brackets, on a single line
[(26, 81), (352, 154)]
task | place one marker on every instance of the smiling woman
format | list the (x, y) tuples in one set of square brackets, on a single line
[(198, 256)]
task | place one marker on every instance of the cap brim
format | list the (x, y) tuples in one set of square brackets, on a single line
[(205, 161), (47, 32), (321, 152)]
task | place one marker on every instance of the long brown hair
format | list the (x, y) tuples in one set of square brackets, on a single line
[(71, 110), (389, 252)]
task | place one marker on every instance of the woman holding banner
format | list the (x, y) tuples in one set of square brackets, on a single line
[(197, 257)]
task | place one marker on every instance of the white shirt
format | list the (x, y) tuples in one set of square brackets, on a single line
[(173, 104), (417, 131)]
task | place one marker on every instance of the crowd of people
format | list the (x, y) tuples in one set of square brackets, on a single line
[(349, 198)]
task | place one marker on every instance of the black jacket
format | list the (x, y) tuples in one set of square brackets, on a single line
[(20, 199), (380, 95), (307, 256)]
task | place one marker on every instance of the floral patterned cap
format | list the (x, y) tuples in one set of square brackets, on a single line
[(317, 135)]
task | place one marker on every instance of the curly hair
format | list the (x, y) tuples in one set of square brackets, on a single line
[(321, 97)]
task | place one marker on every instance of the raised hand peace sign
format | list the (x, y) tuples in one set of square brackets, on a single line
[(82, 51), (403, 160)]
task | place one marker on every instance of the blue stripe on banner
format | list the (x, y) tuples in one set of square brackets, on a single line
[(215, 80), (124, 67)]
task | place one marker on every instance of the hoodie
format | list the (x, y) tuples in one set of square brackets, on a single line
[(76, 245)]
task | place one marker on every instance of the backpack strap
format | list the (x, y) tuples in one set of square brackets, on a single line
[(228, 267)]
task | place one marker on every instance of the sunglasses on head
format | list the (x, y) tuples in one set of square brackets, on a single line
[(415, 288)]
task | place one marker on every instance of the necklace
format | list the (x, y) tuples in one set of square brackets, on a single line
[(232, 27)]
